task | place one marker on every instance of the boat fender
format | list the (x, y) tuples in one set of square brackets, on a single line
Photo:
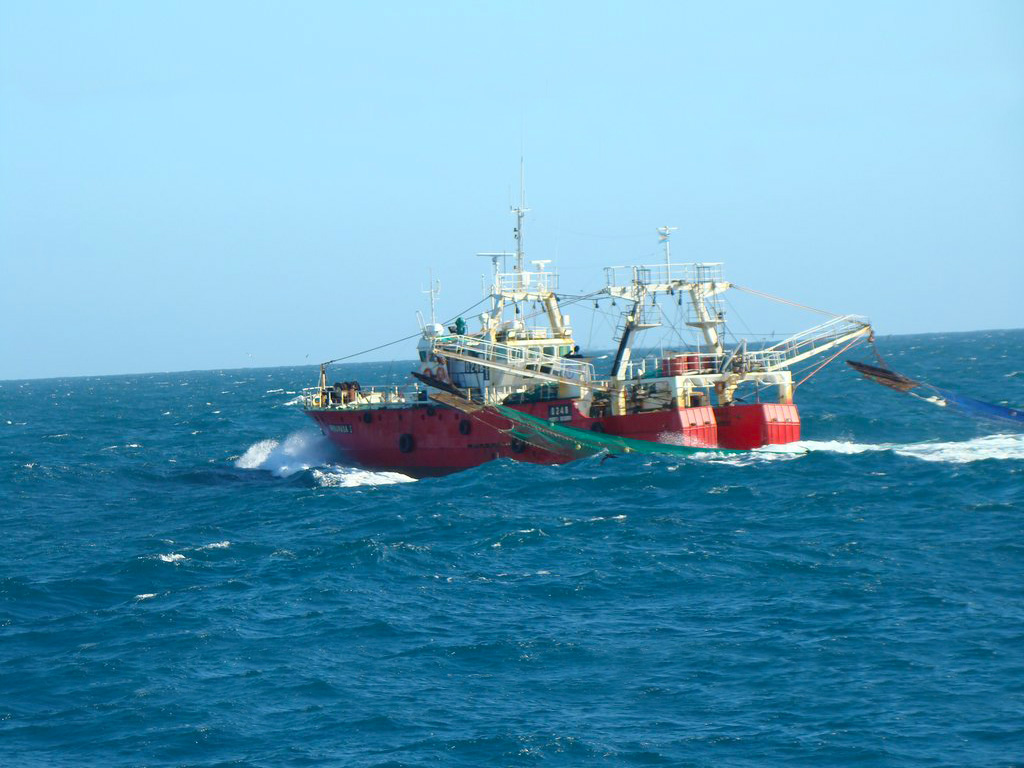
[(441, 373), (367, 417), (406, 443), (465, 427), (597, 426), (518, 446), (431, 410)]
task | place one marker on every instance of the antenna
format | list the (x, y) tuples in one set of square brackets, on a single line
[(520, 212), (434, 290), (664, 233)]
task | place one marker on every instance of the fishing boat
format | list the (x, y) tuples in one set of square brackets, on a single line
[(517, 386)]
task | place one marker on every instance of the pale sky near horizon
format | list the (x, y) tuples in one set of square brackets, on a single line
[(193, 185)]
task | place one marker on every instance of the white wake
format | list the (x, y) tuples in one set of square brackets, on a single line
[(960, 452)]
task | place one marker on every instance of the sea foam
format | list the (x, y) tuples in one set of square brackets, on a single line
[(351, 477)]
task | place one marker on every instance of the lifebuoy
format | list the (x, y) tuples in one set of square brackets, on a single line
[(465, 427), (406, 443), (316, 401), (441, 373)]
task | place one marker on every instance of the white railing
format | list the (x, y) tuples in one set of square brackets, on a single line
[(314, 397), (663, 274), (531, 360), (527, 281), (533, 333), (810, 342), (798, 347)]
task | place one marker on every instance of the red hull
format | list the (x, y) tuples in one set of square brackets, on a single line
[(742, 427), (435, 440)]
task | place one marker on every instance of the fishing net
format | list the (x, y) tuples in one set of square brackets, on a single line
[(584, 442), (561, 439), (943, 397)]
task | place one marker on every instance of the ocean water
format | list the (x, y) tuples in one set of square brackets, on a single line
[(188, 576)]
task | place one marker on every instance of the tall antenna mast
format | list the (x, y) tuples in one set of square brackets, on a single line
[(433, 290), (520, 212), (664, 233)]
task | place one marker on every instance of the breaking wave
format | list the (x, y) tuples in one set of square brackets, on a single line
[(310, 451), (298, 452)]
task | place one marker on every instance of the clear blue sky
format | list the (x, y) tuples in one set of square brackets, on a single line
[(193, 185)]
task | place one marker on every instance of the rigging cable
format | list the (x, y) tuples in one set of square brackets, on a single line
[(852, 343), (406, 338), (784, 301)]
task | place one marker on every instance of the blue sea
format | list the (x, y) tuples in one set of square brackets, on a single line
[(190, 577)]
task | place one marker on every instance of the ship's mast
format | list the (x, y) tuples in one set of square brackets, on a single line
[(664, 233), (520, 213), (433, 290), (705, 287)]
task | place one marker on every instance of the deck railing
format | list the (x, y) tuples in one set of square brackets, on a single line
[(314, 397), (663, 274), (506, 356), (528, 281), (810, 342)]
